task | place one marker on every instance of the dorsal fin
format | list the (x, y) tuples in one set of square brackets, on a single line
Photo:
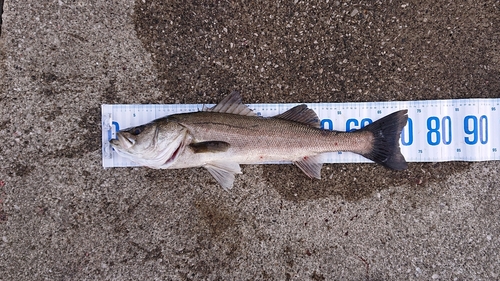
[(301, 114), (232, 104)]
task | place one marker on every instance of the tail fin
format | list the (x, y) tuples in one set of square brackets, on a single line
[(386, 132)]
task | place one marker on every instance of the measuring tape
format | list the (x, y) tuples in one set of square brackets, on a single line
[(437, 130)]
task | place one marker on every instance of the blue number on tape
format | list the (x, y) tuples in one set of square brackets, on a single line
[(483, 129), (470, 131), (327, 124), (348, 123), (409, 127), (433, 127), (366, 121), (434, 134), (476, 130), (446, 125), (354, 122)]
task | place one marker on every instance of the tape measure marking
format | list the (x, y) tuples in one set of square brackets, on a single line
[(437, 130)]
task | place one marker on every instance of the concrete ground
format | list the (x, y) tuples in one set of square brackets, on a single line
[(64, 217)]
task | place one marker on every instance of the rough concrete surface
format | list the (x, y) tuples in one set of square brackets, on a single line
[(64, 217)]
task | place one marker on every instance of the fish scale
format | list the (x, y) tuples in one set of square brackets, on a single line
[(270, 137)]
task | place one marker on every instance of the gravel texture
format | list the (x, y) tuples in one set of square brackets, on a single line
[(64, 217)]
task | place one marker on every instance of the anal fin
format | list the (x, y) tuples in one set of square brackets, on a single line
[(311, 166), (224, 172)]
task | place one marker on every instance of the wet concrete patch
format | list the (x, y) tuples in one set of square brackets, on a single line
[(89, 135), (215, 217), (353, 182), (20, 170), (319, 52), (52, 114), (1, 13), (91, 129), (3, 195), (4, 124), (323, 53)]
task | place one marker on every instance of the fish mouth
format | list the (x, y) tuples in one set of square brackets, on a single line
[(115, 144), (122, 142)]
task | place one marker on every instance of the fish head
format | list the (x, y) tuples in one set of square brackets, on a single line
[(157, 144)]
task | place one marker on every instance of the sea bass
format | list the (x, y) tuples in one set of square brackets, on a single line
[(229, 134)]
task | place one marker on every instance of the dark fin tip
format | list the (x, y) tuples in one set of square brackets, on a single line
[(386, 133), (302, 114)]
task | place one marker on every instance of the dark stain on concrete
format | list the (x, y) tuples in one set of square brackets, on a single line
[(48, 92), (324, 53), (91, 130), (52, 114), (214, 228), (317, 276), (110, 94), (215, 217), (3, 214), (4, 124), (89, 135), (1, 13), (67, 152), (20, 170), (48, 77), (353, 182), (150, 255)]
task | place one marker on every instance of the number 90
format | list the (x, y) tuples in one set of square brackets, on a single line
[(476, 130)]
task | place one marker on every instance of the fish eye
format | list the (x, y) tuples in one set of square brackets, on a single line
[(136, 130)]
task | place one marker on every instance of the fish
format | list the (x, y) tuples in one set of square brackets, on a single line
[(222, 137)]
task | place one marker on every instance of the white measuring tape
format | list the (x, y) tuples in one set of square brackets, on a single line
[(437, 130)]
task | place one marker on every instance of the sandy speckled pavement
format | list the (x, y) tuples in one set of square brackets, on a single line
[(64, 217)]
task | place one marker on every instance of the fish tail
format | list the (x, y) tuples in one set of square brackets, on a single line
[(385, 146)]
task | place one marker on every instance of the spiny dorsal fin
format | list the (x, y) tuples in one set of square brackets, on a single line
[(209, 146), (301, 114), (311, 166), (232, 104)]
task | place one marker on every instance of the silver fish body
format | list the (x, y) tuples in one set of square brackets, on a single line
[(230, 134)]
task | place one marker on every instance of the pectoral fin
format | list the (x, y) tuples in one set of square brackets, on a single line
[(311, 166), (224, 172), (209, 146)]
